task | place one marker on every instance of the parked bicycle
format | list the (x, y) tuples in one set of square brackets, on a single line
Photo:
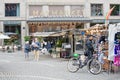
[(77, 62)]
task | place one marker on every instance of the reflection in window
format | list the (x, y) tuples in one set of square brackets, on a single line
[(12, 10), (96, 10), (116, 10)]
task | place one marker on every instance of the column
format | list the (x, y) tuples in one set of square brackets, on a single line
[(1, 30), (23, 32), (106, 8), (87, 9)]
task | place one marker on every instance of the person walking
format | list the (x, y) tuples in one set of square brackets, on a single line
[(27, 50), (48, 46), (36, 46)]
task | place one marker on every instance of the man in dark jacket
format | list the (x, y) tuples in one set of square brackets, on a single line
[(89, 47)]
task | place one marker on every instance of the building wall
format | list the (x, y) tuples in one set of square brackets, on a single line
[(21, 18), (24, 10), (106, 7)]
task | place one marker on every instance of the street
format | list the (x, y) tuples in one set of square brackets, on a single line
[(13, 66)]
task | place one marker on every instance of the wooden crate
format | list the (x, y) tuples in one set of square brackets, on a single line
[(106, 64)]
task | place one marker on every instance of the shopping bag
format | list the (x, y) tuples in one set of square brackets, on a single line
[(117, 60)]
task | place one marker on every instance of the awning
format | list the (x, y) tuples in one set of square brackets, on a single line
[(42, 34), (59, 19), (57, 34)]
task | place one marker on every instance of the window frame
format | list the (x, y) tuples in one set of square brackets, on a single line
[(111, 5), (102, 10), (16, 12)]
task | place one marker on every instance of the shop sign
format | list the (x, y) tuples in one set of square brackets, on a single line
[(55, 11)]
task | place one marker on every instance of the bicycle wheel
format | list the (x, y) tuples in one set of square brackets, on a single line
[(94, 66), (73, 65)]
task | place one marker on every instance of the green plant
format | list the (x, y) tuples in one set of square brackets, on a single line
[(27, 38), (40, 39), (59, 43), (6, 42), (13, 39)]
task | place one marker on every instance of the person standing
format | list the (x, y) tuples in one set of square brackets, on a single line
[(36, 46), (89, 46), (27, 50)]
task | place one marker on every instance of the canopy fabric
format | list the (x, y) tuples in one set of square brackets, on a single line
[(59, 19), (113, 28), (58, 34), (42, 34), (2, 36)]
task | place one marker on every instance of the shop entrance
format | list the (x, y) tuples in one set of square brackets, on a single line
[(71, 41)]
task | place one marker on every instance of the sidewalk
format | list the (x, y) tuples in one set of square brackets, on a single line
[(47, 67)]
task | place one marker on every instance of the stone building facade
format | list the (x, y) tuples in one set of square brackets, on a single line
[(31, 16)]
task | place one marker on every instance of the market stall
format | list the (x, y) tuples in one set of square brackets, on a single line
[(100, 42), (114, 45), (107, 44)]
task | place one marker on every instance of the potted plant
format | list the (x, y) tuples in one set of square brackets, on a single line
[(58, 47), (27, 38)]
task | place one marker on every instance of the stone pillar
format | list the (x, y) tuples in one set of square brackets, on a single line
[(26, 29), (23, 32), (1, 30), (87, 9)]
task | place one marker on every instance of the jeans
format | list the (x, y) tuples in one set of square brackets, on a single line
[(90, 54)]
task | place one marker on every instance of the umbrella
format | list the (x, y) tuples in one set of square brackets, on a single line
[(2, 36)]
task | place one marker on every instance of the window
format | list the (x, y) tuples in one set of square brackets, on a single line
[(116, 10), (12, 10), (77, 10), (96, 10)]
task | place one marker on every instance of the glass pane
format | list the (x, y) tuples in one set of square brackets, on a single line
[(12, 10), (96, 10), (116, 10)]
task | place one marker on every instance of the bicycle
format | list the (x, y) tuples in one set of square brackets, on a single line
[(76, 62)]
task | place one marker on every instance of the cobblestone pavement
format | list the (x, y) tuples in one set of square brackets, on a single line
[(13, 66)]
